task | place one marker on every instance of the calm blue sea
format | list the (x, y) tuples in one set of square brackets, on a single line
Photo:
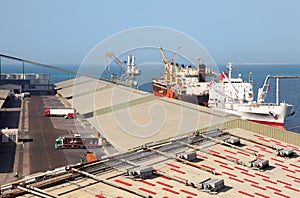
[(289, 88)]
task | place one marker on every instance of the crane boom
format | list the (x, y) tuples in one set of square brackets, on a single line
[(118, 61), (262, 92), (176, 53), (164, 56), (167, 65), (285, 77)]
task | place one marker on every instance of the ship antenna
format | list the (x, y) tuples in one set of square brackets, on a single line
[(229, 66), (251, 78)]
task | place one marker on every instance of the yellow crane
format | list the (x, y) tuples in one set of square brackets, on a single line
[(168, 73)]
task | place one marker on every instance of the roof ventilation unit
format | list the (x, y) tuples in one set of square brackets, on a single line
[(141, 172), (189, 156), (212, 185)]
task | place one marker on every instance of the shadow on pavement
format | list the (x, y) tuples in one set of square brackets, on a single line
[(10, 120), (7, 156)]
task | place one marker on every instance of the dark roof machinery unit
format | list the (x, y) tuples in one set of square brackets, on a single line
[(141, 172), (259, 164), (189, 156), (286, 152), (233, 140), (212, 185)]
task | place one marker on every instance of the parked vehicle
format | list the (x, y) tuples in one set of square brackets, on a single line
[(66, 113), (76, 141)]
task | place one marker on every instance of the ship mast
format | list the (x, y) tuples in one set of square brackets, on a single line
[(229, 66)]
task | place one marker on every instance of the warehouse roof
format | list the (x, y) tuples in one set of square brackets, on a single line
[(218, 170), (129, 117), (71, 82)]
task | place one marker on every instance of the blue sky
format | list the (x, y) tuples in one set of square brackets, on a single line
[(256, 31)]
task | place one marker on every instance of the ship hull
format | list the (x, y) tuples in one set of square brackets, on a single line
[(201, 100), (272, 124), (268, 114), (159, 94), (161, 90)]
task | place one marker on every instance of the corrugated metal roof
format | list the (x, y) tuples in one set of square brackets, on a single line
[(151, 121), (122, 113), (82, 88), (224, 171), (107, 97)]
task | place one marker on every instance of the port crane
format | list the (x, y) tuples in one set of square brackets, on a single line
[(128, 79), (130, 69), (169, 65)]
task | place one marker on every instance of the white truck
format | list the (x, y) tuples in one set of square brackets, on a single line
[(66, 113)]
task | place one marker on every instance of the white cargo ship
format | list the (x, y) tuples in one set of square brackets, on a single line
[(235, 96)]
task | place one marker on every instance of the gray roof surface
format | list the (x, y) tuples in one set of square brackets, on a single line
[(280, 179), (71, 82), (129, 118)]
